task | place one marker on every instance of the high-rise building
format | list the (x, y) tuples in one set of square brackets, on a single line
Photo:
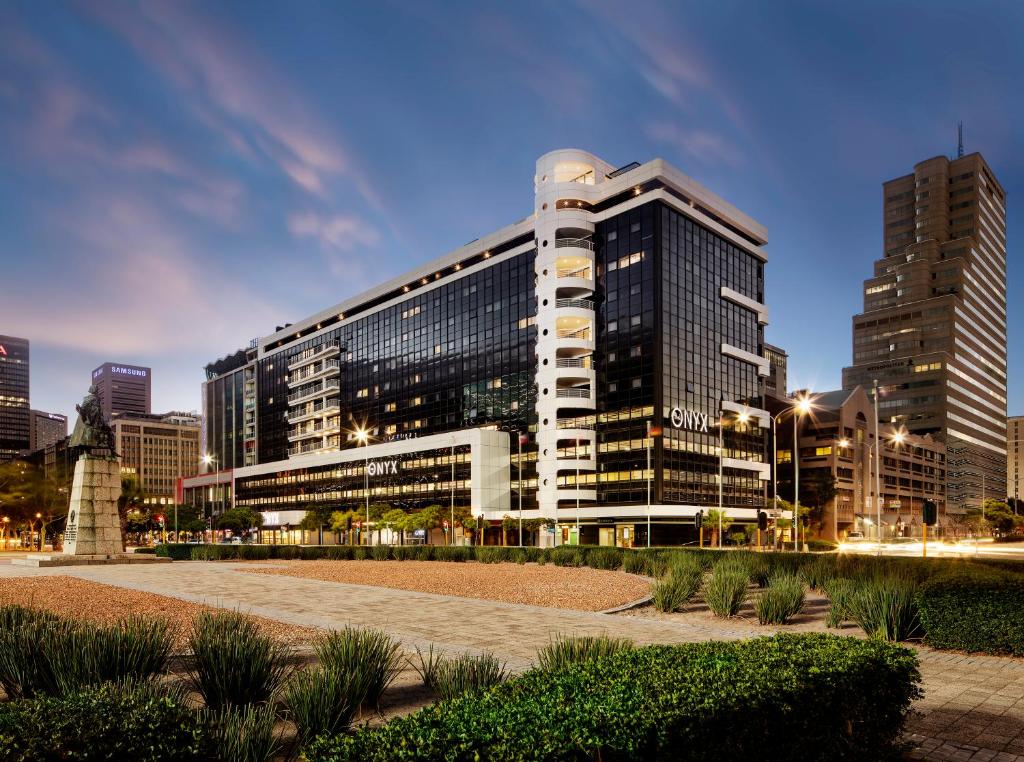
[(933, 330), (1015, 457), (775, 382), (15, 432), (124, 389), (157, 451), (629, 301), (46, 428)]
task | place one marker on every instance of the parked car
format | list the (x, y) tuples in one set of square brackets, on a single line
[(854, 536)]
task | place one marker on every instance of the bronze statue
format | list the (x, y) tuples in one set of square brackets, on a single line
[(92, 435)]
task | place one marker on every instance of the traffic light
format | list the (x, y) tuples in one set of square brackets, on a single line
[(698, 519), (930, 513), (762, 520), (348, 523)]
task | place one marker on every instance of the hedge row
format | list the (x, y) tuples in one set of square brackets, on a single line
[(111, 722), (974, 609), (786, 697)]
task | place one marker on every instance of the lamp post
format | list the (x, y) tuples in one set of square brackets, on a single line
[(451, 526), (741, 418), (6, 521), (802, 407), (208, 461), (520, 490), (878, 473), (648, 472), (363, 437), (40, 517)]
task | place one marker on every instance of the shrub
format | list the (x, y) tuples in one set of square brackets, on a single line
[(403, 552), (178, 551), (451, 553), (145, 551), (139, 722), (795, 697), (490, 555), (244, 734), (974, 609), (371, 656), (885, 608), (634, 562), (819, 571), (781, 600), (380, 552), (564, 651), (820, 546), (292, 552), (323, 701), (567, 555), (726, 591), (335, 553), (428, 666), (839, 591), (604, 558), (466, 673), (760, 570), (233, 663), (41, 654)]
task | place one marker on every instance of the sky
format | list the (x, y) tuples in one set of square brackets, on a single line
[(178, 178)]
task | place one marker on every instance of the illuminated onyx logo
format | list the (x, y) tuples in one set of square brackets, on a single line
[(382, 467), (689, 419)]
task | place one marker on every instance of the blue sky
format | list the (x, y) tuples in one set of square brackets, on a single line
[(178, 178)]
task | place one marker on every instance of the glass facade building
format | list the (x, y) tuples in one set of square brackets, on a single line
[(14, 399), (620, 325)]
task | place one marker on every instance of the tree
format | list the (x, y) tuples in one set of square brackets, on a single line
[(315, 519), (711, 521), (376, 511), (132, 500), (817, 488), (190, 518), (428, 519), (395, 520), (1001, 518), (240, 519)]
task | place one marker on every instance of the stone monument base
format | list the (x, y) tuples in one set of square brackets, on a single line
[(40, 560), (94, 526)]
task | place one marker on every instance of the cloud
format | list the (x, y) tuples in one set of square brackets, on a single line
[(233, 90), (709, 148)]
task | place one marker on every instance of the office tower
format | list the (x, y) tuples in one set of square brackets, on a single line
[(933, 329), (124, 389), (630, 300), (1015, 457), (775, 382), (45, 429), (157, 451), (15, 434)]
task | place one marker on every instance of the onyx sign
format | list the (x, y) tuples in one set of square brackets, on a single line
[(689, 419), (382, 467)]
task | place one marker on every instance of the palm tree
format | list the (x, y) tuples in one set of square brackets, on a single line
[(712, 521)]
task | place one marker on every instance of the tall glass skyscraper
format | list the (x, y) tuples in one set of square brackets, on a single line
[(14, 401)]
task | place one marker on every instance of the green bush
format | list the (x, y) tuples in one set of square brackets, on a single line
[(604, 558), (403, 552), (142, 723), (820, 546), (243, 734), (760, 570), (885, 607), (726, 591), (233, 663), (380, 552), (564, 651), (323, 701), (43, 655), (781, 600), (178, 551), (466, 673), (451, 553), (427, 666), (787, 697), (334, 553), (974, 609), (818, 572), (370, 655), (144, 551), (490, 555)]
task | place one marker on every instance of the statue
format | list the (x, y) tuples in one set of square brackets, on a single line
[(92, 435)]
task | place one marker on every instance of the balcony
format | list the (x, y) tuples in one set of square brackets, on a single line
[(573, 397), (575, 281), (306, 447), (571, 494), (330, 367), (306, 432), (312, 411), (583, 304), (575, 340), (319, 390), (580, 244), (314, 353)]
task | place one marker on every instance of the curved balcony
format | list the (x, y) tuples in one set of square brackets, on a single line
[(573, 397), (575, 247), (314, 411), (576, 464), (574, 341), (575, 370), (574, 283), (325, 387)]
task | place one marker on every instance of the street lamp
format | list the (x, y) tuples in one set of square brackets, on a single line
[(802, 407), (40, 517), (741, 418), (208, 460), (363, 437), (6, 521)]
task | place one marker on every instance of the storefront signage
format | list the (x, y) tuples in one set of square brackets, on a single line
[(3, 350), (382, 467), (689, 419)]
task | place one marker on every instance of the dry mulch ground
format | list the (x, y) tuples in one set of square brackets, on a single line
[(82, 599), (582, 589)]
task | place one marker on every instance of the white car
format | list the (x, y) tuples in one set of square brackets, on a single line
[(855, 536)]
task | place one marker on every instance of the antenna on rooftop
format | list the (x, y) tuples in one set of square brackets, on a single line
[(959, 139)]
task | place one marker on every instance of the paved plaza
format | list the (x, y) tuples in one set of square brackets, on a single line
[(973, 707)]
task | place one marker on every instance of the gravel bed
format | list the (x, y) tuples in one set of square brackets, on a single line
[(582, 589), (94, 601)]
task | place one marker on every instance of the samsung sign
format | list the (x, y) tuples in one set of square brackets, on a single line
[(123, 370), (689, 419)]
